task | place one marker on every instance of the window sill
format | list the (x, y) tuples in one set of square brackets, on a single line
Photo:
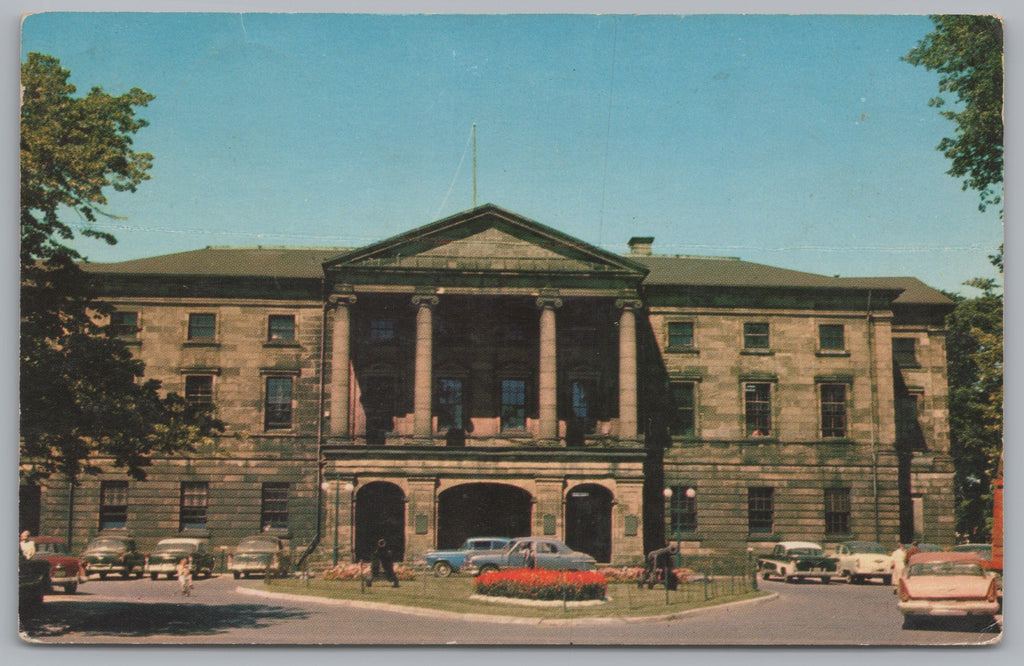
[(281, 344), (197, 532), (756, 352), (682, 350), (764, 536), (200, 343), (839, 353), (768, 439)]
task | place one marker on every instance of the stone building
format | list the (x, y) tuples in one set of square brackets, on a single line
[(486, 374)]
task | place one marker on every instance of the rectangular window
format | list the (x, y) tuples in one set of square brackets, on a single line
[(837, 510), (513, 404), (833, 410), (758, 406), (113, 505), (202, 326), (831, 337), (278, 406), (760, 510), (755, 335), (449, 403), (382, 330), (198, 390), (124, 324), (274, 507), (684, 403), (281, 328), (194, 497), (904, 351), (683, 510), (680, 334)]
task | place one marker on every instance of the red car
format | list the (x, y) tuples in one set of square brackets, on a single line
[(66, 570)]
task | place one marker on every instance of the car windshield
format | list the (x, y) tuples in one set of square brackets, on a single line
[(106, 544), (178, 546), (805, 552), (946, 569), (872, 548), (262, 545), (51, 548)]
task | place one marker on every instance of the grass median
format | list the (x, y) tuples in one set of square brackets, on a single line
[(454, 595)]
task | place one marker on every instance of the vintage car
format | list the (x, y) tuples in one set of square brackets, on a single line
[(445, 562), (861, 560), (113, 554), (796, 560), (33, 583), (66, 570), (261, 554), (946, 584), (169, 552), (545, 553), (982, 550)]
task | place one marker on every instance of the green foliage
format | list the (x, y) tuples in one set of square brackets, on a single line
[(974, 347), (82, 396), (967, 52)]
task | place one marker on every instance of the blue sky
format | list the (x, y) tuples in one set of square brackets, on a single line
[(797, 141)]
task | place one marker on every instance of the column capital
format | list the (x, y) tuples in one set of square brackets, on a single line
[(335, 301), (549, 301), (629, 304), (425, 300)]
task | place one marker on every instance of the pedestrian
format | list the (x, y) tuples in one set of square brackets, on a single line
[(184, 571), (529, 555), (913, 550), (899, 561), (659, 568), (382, 563), (27, 546)]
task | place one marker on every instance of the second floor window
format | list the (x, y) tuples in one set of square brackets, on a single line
[(278, 403), (755, 335), (198, 390), (757, 398), (202, 326), (833, 410), (684, 403), (513, 404), (680, 334), (904, 351), (382, 330), (113, 505), (449, 403), (831, 337), (192, 510), (125, 324), (760, 510), (281, 328)]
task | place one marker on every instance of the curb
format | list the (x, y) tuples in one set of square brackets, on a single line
[(498, 619)]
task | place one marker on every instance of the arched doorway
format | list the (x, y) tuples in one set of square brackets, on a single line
[(588, 521), (380, 514), (482, 509)]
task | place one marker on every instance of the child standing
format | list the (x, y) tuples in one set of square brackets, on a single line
[(184, 572)]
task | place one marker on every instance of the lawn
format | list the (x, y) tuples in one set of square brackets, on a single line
[(453, 595)]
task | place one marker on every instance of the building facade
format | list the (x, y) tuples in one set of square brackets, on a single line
[(486, 374)]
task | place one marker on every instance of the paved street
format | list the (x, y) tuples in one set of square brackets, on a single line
[(221, 612)]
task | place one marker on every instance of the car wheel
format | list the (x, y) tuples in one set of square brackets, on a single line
[(887, 580), (126, 574), (236, 574), (825, 580), (487, 568), (765, 575), (154, 576), (442, 569), (103, 575), (70, 588), (170, 576)]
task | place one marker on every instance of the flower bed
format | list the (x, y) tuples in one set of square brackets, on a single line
[(352, 572), (634, 574), (542, 584)]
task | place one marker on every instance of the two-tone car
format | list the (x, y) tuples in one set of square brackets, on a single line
[(260, 554), (169, 552), (446, 562), (946, 584), (538, 552), (66, 570), (106, 555), (796, 560), (861, 560)]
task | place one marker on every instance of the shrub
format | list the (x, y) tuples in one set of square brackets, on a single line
[(351, 572), (543, 584)]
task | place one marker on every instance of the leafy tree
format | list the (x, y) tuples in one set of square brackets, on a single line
[(82, 396), (967, 52)]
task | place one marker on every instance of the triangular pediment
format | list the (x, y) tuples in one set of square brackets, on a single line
[(487, 239)]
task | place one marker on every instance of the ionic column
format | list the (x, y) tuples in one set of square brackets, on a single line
[(340, 359), (627, 368), (422, 421), (547, 380)]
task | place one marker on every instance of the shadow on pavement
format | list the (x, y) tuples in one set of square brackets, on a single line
[(148, 619)]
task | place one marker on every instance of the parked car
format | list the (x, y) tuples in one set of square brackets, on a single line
[(860, 560), (113, 554), (549, 554), (169, 552), (946, 584), (445, 562), (33, 583), (796, 560), (262, 554), (982, 550), (66, 570)]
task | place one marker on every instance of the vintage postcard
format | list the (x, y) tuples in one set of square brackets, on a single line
[(518, 329)]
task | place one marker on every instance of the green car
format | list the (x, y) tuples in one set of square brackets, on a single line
[(113, 554), (261, 554), (169, 552)]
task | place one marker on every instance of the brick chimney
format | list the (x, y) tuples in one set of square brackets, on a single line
[(641, 244)]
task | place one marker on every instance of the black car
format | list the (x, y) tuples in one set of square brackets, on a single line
[(113, 554)]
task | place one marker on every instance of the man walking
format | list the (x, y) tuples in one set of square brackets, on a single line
[(382, 562)]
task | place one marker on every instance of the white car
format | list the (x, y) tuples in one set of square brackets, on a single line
[(860, 560)]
